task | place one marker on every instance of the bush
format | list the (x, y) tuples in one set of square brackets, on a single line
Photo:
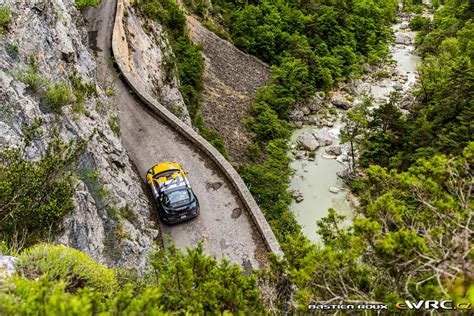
[(418, 23), (82, 4), (69, 265), (35, 195), (32, 79), (114, 124), (59, 95), (5, 13), (56, 280)]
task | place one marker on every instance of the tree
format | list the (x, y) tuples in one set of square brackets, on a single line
[(355, 128)]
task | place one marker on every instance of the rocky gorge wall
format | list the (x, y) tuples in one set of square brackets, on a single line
[(111, 221)]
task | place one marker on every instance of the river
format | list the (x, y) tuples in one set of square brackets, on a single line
[(313, 178)]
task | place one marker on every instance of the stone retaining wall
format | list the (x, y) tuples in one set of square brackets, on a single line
[(120, 51)]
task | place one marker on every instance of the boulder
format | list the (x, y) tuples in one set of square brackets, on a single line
[(297, 195), (298, 124), (398, 86), (305, 110), (322, 136), (342, 104), (334, 190), (308, 141), (403, 39), (7, 266), (334, 150)]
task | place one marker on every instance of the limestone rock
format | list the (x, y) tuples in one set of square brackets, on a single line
[(398, 86), (322, 136), (7, 266), (403, 39), (334, 150), (297, 195), (334, 190), (308, 141), (342, 104)]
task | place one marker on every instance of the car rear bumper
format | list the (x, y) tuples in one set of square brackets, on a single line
[(173, 219)]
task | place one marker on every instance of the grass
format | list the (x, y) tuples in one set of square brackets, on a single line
[(59, 95), (5, 13), (114, 124), (129, 214), (32, 79), (82, 4)]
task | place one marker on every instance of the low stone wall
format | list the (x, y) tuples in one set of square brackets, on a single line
[(120, 51)]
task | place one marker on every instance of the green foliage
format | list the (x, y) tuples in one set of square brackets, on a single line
[(114, 124), (268, 182), (440, 121), (215, 140), (31, 78), (407, 220), (74, 267), (82, 4), (5, 13), (196, 283), (59, 95), (35, 195), (419, 22), (82, 92), (55, 280)]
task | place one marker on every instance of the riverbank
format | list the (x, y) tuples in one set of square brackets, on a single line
[(318, 158)]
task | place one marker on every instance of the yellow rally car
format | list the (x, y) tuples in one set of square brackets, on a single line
[(175, 199)]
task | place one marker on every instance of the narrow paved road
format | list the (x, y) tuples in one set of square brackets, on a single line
[(224, 225)]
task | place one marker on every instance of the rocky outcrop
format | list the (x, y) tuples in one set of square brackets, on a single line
[(7, 266), (49, 40), (151, 61)]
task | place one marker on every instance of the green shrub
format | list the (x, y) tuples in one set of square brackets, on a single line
[(5, 13), (418, 23), (35, 195), (59, 95), (215, 140), (114, 124), (32, 79), (82, 4), (69, 265)]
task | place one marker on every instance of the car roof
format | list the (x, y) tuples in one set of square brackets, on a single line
[(167, 176)]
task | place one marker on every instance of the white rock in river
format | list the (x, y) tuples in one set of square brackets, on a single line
[(403, 39), (334, 150), (398, 86), (322, 135), (334, 190), (308, 141)]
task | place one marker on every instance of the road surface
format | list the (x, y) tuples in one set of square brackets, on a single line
[(224, 225)]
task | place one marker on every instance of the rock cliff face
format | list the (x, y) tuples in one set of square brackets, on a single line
[(47, 38), (151, 60)]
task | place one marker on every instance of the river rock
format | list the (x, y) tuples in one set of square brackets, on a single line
[(398, 86), (403, 39), (305, 110), (308, 141), (297, 195), (322, 136), (342, 104), (298, 124), (334, 150), (404, 25), (406, 101), (334, 190)]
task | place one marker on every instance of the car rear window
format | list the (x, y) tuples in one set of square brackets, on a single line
[(177, 197)]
